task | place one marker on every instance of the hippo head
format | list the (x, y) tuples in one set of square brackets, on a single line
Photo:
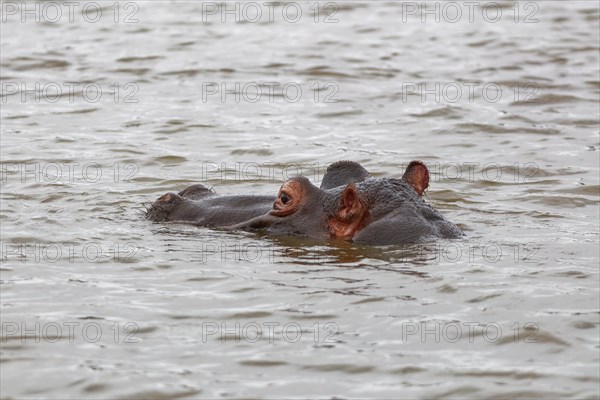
[(371, 210), (201, 206)]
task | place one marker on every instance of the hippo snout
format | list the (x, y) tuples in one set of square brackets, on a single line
[(162, 208)]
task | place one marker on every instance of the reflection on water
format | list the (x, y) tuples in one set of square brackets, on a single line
[(100, 117)]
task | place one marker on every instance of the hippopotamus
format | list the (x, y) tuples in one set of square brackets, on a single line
[(201, 206), (350, 204)]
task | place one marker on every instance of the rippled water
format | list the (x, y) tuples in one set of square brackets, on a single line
[(97, 302)]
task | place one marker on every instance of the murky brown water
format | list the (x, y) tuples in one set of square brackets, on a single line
[(97, 302)]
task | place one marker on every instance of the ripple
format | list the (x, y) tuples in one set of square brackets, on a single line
[(550, 98), (170, 160), (31, 63), (171, 288), (562, 201), (481, 299), (533, 335), (262, 363), (138, 58), (251, 314), (487, 128), (446, 112), (79, 111), (501, 374), (338, 114), (161, 395), (323, 71), (347, 368)]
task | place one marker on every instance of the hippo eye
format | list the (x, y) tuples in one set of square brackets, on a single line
[(288, 199)]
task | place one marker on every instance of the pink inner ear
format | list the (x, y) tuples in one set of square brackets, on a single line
[(349, 196), (350, 217), (417, 175), (349, 202)]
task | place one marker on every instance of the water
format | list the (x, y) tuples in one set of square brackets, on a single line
[(97, 302)]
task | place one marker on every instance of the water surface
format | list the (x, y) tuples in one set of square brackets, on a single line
[(97, 302)]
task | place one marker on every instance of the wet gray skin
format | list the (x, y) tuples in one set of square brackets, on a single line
[(309, 219), (349, 205), (200, 206), (377, 211), (399, 215)]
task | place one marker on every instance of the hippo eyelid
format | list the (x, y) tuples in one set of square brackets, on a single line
[(285, 197)]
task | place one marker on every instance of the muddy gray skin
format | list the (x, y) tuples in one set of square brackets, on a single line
[(343, 173), (350, 205), (200, 206), (378, 211), (398, 215)]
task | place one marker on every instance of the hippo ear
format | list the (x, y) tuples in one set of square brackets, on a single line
[(343, 172), (350, 205), (417, 175), (350, 216)]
